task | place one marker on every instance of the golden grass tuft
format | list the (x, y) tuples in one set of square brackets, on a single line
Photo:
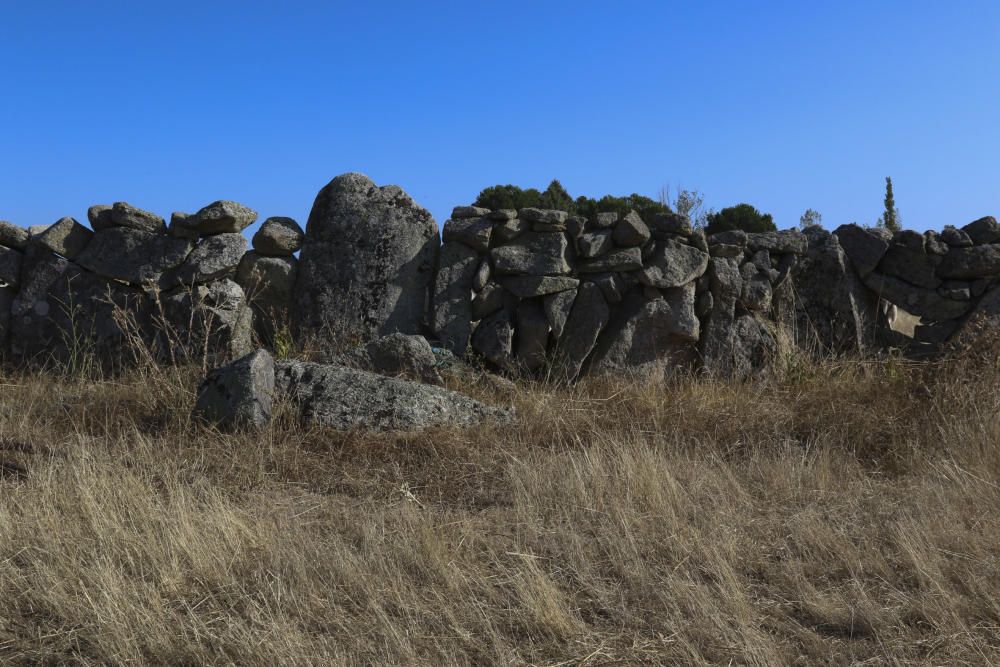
[(844, 512)]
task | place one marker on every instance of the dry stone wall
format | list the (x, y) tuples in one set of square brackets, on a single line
[(534, 291)]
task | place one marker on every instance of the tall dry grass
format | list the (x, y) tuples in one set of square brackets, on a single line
[(836, 513)]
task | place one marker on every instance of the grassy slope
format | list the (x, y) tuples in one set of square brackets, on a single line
[(845, 513)]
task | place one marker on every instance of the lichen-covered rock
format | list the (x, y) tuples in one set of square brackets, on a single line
[(268, 284), (968, 263), (623, 259), (542, 215), (528, 286), (124, 214), (864, 248), (349, 399), (673, 264), (462, 212), (508, 229), (222, 217), (983, 230), (557, 307), (278, 237), (493, 338), (785, 241), (483, 275), (213, 319), (100, 216), (473, 232), (956, 238), (533, 253), (452, 316), (663, 224), (588, 317), (214, 257), (489, 300), (12, 236), (595, 244), (239, 394), (649, 336), (133, 256), (66, 237), (914, 266), (367, 264), (716, 344), (395, 355), (631, 231)]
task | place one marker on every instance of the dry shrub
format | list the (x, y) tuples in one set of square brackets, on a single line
[(844, 512)]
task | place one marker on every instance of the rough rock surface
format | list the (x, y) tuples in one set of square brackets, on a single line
[(349, 399), (240, 394), (395, 355), (213, 258), (278, 237), (673, 264), (588, 317), (124, 214), (473, 232), (215, 318), (67, 237), (493, 338), (133, 256), (528, 286), (222, 217), (534, 254), (10, 266), (452, 316), (268, 284), (864, 248), (367, 263), (12, 236)]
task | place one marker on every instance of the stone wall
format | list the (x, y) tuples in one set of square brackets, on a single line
[(534, 291)]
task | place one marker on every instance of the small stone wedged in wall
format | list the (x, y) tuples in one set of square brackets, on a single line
[(278, 237)]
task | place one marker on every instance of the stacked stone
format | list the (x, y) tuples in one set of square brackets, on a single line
[(540, 289), (946, 279), (267, 274), (81, 290), (742, 294)]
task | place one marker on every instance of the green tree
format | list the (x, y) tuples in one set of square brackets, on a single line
[(810, 218), (741, 216), (555, 197), (508, 196), (890, 216)]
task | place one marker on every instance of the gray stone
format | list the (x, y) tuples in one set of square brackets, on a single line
[(10, 267), (533, 253), (975, 262), (605, 220), (549, 226), (673, 264), (483, 274), (489, 300), (278, 237), (133, 256), (12, 236), (222, 217), (494, 337), (473, 232), (395, 355), (213, 320), (726, 250), (913, 266), (239, 395), (703, 303), (66, 237), (956, 238), (754, 346), (670, 223), (984, 230), (451, 322), (529, 286), (588, 317), (716, 344), (984, 318), (268, 285), (923, 302), (934, 244), (756, 293), (532, 334), (367, 264), (833, 312), (542, 215), (785, 241), (509, 229), (731, 237), (595, 244), (910, 239), (214, 257), (349, 399), (698, 240), (502, 214), (100, 217), (762, 261), (124, 214), (648, 335), (864, 248), (34, 231), (575, 226), (631, 231), (557, 307), (612, 286), (623, 259), (183, 226), (462, 212)]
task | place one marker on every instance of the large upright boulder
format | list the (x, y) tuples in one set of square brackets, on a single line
[(367, 263)]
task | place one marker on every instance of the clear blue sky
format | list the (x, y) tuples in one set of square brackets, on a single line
[(786, 105)]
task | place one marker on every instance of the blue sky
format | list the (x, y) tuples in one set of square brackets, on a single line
[(785, 105)]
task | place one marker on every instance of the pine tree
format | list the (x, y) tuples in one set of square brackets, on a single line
[(890, 218)]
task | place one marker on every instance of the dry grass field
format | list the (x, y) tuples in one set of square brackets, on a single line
[(843, 513)]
